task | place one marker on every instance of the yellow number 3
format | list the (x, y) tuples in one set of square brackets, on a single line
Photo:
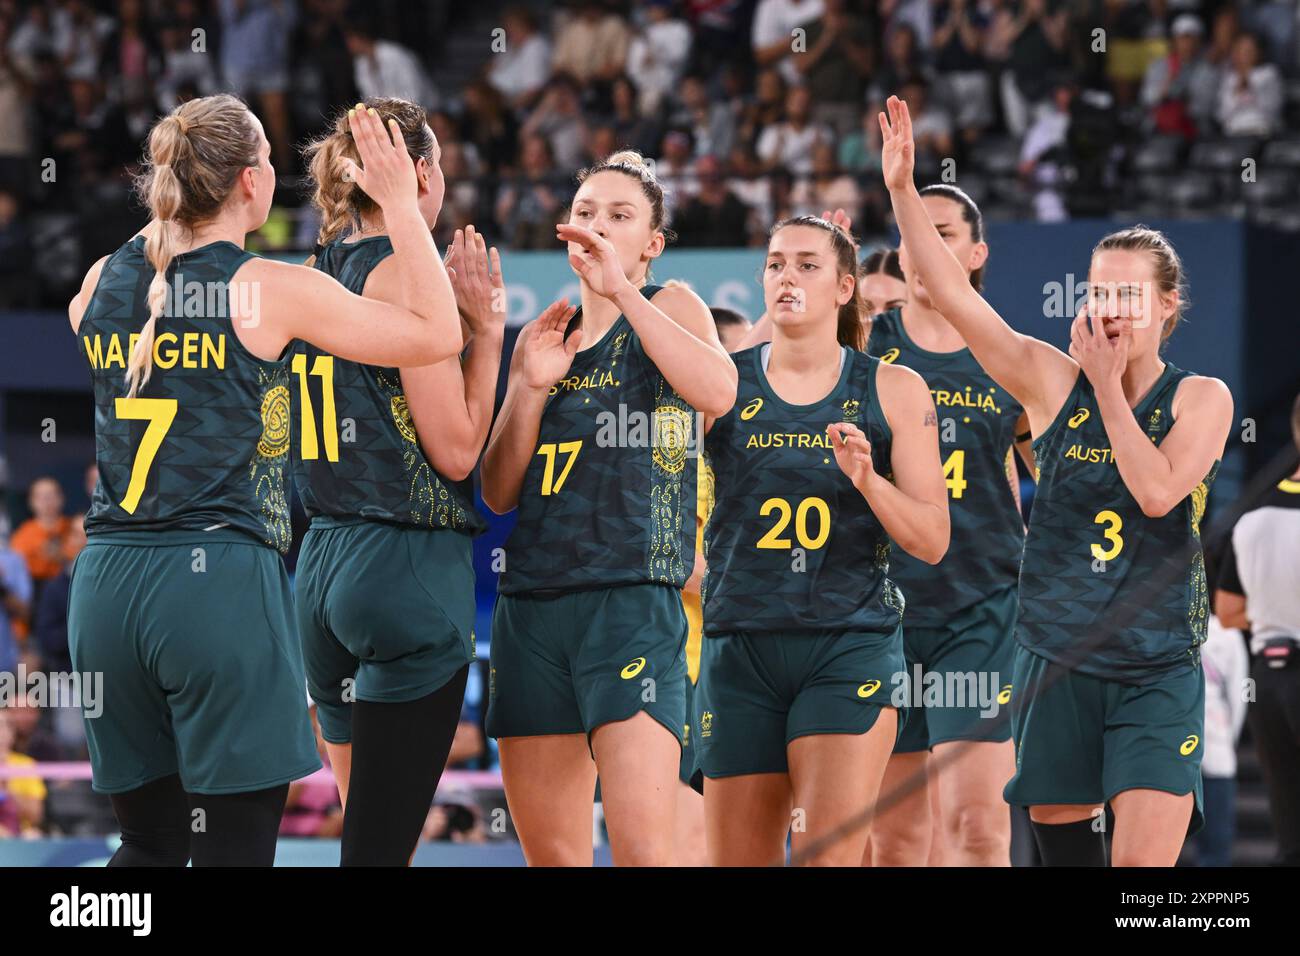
[(1111, 534)]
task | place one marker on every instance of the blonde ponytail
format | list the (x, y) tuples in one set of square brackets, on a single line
[(195, 156), (339, 200)]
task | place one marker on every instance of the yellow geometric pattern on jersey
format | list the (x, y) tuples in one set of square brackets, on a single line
[(691, 598)]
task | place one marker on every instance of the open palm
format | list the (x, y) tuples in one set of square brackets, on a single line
[(897, 149), (547, 355)]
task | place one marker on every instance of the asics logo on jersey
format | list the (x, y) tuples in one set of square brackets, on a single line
[(1079, 417), (632, 669), (1004, 695), (750, 410), (890, 356), (1189, 745), (869, 688)]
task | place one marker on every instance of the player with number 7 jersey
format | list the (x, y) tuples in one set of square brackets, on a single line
[(180, 598)]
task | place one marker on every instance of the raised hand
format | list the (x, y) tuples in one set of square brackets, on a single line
[(594, 258), (897, 148), (386, 173), (1102, 359), (547, 355), (852, 454), (480, 295)]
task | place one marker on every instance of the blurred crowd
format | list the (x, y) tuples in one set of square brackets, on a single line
[(752, 109)]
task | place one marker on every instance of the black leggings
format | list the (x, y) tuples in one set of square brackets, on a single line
[(398, 754), (1274, 720), (163, 825)]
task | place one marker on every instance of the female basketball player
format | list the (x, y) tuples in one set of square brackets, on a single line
[(880, 283), (827, 456), (385, 583), (592, 445), (179, 598), (1108, 692), (961, 612)]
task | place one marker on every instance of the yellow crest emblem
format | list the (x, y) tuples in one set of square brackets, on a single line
[(706, 721), (275, 423), (402, 418), (672, 436), (851, 408)]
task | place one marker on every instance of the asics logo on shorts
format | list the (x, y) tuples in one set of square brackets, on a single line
[(632, 669), (869, 688), (1004, 695), (750, 410), (1189, 745)]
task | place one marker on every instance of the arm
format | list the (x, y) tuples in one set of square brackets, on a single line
[(913, 508), (540, 359), (449, 400), (1158, 476), (676, 330), (1036, 374), (1230, 609)]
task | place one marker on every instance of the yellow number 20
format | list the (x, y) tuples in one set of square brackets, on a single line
[(1111, 534), (773, 540), (159, 413)]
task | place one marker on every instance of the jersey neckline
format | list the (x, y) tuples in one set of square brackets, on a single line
[(927, 353), (767, 388), (197, 249)]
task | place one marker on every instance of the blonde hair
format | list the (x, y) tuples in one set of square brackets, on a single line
[(196, 154), (1168, 266), (341, 201)]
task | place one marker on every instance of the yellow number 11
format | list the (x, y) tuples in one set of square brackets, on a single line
[(324, 367)]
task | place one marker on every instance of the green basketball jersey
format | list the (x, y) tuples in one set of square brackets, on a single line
[(608, 498), (358, 454), (203, 446), (1104, 589), (791, 543), (988, 534)]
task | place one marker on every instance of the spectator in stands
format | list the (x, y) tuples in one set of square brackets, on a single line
[(79, 40), (827, 187), (50, 617), (15, 598), (312, 807), (560, 118), (1250, 93), (602, 141), (1258, 589), (1043, 155), (322, 66), (631, 128), (714, 216), (531, 203), (255, 64), (960, 33), (1179, 90), (716, 24), (22, 799), (520, 70), (1224, 30), (765, 107), (901, 62), (186, 65), (789, 143), (1034, 35), (859, 151), (385, 68), (592, 45), (15, 136), (746, 180), (711, 122), (773, 33), (489, 123), (931, 127), (130, 52), (43, 539), (658, 54), (673, 170), (837, 64)]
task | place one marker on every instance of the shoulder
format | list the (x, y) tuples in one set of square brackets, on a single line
[(901, 390), (1202, 394), (81, 301), (678, 301)]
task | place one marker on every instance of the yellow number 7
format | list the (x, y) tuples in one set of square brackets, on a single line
[(159, 413)]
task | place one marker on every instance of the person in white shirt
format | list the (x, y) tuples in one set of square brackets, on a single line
[(384, 68), (772, 35), (1250, 96), (657, 55), (520, 70), (790, 142)]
